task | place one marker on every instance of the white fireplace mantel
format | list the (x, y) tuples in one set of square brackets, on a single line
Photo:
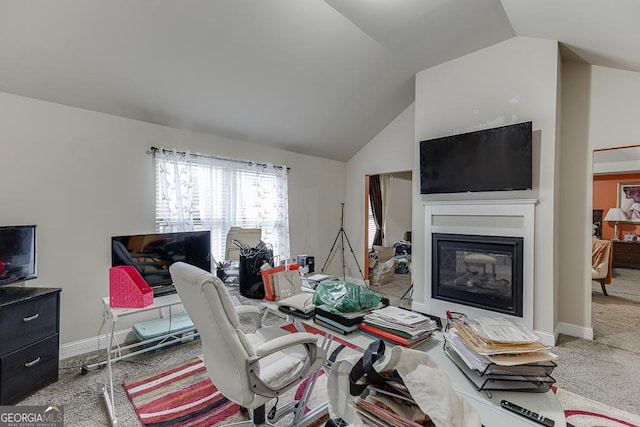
[(510, 218)]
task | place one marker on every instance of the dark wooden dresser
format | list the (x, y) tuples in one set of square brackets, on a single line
[(626, 254), (29, 340)]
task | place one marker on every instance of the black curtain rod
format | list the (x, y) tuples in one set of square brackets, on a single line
[(248, 162)]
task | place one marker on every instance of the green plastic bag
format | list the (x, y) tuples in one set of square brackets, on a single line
[(346, 297)]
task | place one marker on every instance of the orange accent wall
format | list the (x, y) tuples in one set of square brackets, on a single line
[(605, 197)]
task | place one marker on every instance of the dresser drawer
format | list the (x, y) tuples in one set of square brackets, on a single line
[(28, 321), (28, 369)]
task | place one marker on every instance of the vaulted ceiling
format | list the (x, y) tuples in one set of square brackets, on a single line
[(311, 76)]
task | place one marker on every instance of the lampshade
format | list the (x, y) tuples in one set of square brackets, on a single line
[(616, 214)]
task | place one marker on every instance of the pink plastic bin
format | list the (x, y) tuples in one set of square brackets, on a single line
[(127, 288)]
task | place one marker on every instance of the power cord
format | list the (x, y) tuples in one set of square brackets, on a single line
[(272, 412), (84, 369)]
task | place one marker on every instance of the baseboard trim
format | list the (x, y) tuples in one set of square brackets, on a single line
[(575, 331), (76, 348), (546, 338)]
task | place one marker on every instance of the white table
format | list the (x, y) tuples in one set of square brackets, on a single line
[(111, 316), (487, 403)]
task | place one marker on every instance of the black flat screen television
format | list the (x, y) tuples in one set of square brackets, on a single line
[(153, 254), (497, 159), (18, 247)]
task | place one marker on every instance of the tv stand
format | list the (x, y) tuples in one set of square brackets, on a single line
[(29, 332)]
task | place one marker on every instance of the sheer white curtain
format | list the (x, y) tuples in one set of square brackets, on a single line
[(203, 193), (174, 191)]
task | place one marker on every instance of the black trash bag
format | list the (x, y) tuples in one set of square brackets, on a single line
[(250, 274)]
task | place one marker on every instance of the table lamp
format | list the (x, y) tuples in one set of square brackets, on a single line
[(616, 215)]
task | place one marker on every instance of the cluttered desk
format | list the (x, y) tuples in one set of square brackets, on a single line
[(503, 396), (495, 407), (508, 383)]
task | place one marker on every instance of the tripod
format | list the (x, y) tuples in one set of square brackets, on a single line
[(342, 235), (409, 292)]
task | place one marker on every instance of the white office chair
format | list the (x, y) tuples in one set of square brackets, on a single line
[(248, 369), (249, 236)]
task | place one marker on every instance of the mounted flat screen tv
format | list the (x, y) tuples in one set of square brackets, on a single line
[(153, 254), (498, 159), (18, 246)]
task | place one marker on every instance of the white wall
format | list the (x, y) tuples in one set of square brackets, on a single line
[(510, 82), (600, 110), (390, 151), (83, 177)]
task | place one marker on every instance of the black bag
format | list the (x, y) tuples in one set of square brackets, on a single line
[(249, 274), (363, 373)]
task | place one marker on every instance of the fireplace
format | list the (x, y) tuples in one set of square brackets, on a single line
[(485, 272), (508, 227)]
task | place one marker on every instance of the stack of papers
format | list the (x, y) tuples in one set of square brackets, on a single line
[(502, 330), (481, 345), (401, 320), (398, 326), (499, 354), (472, 359)]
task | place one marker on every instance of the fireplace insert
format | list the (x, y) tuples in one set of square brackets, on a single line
[(478, 271)]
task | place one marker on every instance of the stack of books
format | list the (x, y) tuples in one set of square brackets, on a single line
[(498, 354), (330, 318), (398, 326)]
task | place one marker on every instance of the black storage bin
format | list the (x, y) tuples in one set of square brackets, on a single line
[(250, 275)]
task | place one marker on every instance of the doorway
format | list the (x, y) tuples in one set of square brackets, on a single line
[(614, 170), (396, 227)]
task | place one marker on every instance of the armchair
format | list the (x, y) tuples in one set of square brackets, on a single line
[(601, 262), (248, 369)]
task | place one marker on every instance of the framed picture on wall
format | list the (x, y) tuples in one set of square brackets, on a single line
[(629, 199)]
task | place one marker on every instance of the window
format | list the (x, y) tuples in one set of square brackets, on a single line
[(204, 193), (372, 228)]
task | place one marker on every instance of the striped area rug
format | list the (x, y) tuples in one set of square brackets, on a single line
[(583, 412), (182, 395)]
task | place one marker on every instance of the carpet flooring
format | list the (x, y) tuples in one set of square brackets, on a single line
[(399, 291), (606, 370)]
